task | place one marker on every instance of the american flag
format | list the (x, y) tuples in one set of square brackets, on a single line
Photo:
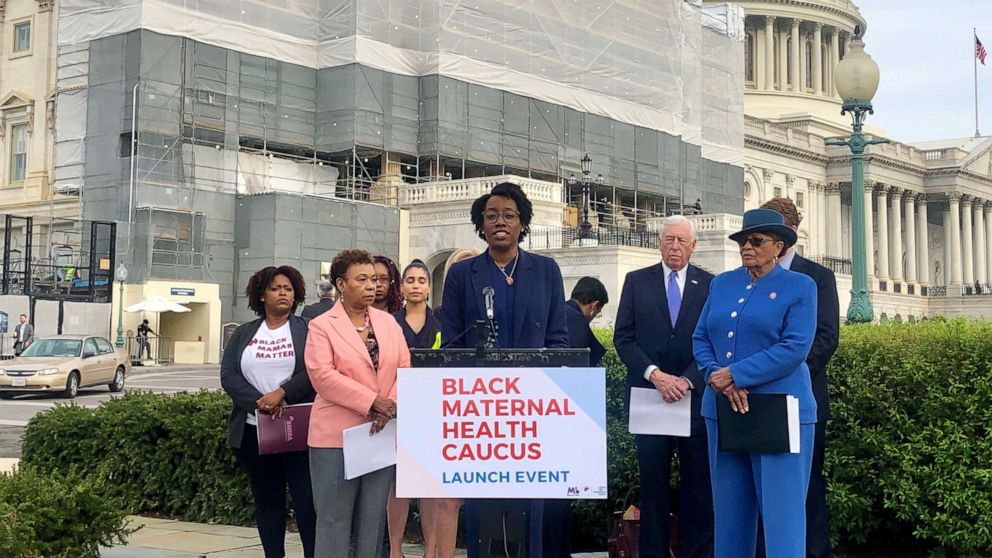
[(980, 50)]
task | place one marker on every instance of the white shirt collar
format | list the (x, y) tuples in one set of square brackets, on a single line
[(786, 260)]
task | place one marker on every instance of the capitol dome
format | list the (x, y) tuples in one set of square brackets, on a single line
[(791, 49)]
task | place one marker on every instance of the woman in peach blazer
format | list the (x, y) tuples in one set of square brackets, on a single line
[(353, 352)]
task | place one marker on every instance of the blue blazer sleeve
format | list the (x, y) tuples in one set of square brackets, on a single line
[(452, 314), (702, 348), (782, 358), (556, 336), (624, 334)]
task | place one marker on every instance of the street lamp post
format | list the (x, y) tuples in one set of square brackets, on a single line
[(587, 183), (856, 78), (121, 275)]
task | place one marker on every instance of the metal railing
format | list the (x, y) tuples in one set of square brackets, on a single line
[(157, 350), (837, 265), (566, 237), (978, 289), (936, 290)]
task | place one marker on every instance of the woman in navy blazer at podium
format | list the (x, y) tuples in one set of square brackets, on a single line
[(753, 337), (529, 295)]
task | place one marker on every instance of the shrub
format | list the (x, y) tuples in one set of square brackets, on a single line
[(157, 453), (908, 449), (57, 516)]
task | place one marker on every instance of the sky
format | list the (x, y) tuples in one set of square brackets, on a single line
[(924, 49)]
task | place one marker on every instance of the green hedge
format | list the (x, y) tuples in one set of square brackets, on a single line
[(160, 454), (909, 457), (57, 516)]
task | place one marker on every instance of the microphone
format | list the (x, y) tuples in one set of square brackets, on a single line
[(488, 293)]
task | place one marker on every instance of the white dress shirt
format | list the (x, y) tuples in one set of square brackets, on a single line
[(786, 260), (680, 277)]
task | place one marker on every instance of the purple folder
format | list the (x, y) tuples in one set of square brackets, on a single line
[(286, 433)]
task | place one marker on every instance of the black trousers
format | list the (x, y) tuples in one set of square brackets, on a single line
[(556, 542), (817, 518), (654, 455), (269, 475)]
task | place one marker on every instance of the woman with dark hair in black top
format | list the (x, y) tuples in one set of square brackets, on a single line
[(422, 331)]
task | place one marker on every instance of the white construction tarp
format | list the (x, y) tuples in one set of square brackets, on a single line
[(635, 61)]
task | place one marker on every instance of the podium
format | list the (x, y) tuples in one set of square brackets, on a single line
[(498, 528)]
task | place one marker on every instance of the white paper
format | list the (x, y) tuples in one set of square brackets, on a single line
[(792, 405), (365, 454), (650, 414)]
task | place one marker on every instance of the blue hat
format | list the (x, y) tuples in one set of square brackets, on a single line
[(765, 220)]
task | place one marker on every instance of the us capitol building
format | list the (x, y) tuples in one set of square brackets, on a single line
[(928, 205)]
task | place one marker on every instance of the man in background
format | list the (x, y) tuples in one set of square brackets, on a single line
[(588, 299), (325, 295), (23, 333)]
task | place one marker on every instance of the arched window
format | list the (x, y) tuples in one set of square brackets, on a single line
[(788, 62), (809, 65), (750, 62), (825, 66)]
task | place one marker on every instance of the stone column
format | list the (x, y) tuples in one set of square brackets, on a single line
[(869, 230), (881, 195), (822, 216), (981, 271), (818, 58), (834, 247), (834, 58), (988, 240), (895, 237), (952, 236), (922, 241), (948, 257), (769, 53), (796, 52), (783, 61), (909, 201), (967, 245)]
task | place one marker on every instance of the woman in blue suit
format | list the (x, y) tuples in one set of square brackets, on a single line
[(753, 337)]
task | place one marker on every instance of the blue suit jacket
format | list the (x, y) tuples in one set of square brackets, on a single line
[(763, 332), (644, 334), (580, 334), (538, 310), (827, 330)]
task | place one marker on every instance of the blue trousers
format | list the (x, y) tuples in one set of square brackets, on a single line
[(775, 484)]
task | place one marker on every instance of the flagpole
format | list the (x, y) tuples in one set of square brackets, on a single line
[(974, 44)]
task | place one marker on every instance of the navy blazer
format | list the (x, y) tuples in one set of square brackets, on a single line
[(827, 329), (580, 334), (763, 332), (244, 395), (539, 305), (644, 334)]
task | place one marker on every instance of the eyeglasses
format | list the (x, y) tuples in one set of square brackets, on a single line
[(383, 279), (755, 241), (669, 240), (509, 216), (363, 279)]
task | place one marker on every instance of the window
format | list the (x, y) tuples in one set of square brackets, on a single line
[(89, 347), (799, 200), (778, 192), (788, 62), (104, 346), (809, 65), (749, 57), (22, 37), (18, 152)]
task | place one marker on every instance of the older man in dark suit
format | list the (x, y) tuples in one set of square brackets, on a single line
[(659, 308), (824, 345)]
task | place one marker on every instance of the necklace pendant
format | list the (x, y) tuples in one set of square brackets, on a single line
[(509, 280)]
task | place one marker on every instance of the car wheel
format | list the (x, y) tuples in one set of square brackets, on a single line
[(118, 384), (71, 386)]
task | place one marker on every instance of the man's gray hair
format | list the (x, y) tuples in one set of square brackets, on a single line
[(675, 220), (325, 289)]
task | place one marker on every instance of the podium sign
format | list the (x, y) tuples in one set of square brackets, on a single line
[(501, 433)]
